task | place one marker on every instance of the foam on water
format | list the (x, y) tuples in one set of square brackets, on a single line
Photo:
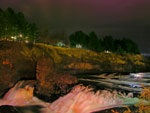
[(80, 100)]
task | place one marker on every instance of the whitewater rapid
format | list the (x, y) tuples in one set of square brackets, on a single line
[(80, 100)]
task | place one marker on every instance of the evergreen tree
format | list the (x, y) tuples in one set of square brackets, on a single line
[(94, 43), (108, 43), (79, 38), (129, 46), (14, 24), (118, 46)]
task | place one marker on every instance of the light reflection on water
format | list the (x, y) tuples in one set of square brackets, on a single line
[(125, 83), (80, 100), (77, 97), (140, 75)]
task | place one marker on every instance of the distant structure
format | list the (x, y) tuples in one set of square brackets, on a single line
[(61, 44), (106, 51), (78, 46)]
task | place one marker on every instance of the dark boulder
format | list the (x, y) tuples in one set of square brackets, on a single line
[(26, 109), (8, 109)]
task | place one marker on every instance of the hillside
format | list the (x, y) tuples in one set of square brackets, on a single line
[(81, 60)]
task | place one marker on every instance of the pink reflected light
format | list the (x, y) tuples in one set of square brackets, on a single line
[(80, 100)]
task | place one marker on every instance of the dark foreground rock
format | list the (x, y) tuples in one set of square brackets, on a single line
[(8, 109), (27, 109)]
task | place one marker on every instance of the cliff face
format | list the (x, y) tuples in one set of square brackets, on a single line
[(52, 66)]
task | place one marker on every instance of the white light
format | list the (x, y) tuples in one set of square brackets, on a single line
[(13, 37), (106, 51), (20, 35), (138, 75), (26, 41)]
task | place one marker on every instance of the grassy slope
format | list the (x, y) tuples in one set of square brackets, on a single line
[(74, 59), (81, 59)]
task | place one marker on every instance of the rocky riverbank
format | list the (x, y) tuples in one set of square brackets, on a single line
[(52, 67)]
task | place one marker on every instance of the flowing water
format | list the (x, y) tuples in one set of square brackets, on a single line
[(132, 82), (81, 99)]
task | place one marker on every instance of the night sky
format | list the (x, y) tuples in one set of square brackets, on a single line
[(119, 18)]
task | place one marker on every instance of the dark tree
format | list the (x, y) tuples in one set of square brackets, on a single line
[(94, 43), (118, 46), (79, 38), (129, 46), (108, 43), (14, 25)]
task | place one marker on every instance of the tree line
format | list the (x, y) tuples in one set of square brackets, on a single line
[(14, 26), (108, 43)]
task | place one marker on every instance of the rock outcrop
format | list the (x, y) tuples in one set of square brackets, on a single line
[(49, 81)]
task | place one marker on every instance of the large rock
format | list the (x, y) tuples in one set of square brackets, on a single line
[(44, 72), (13, 66), (50, 82)]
